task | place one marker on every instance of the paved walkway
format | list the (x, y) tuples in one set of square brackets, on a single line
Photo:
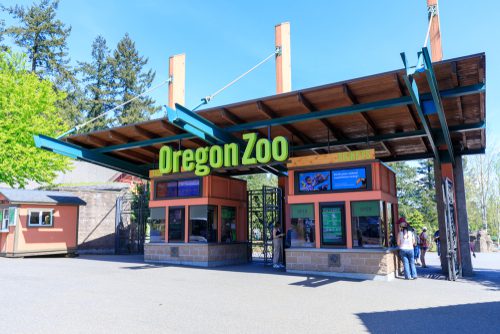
[(121, 294)]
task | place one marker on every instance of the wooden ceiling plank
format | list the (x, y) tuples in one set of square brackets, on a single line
[(121, 138), (98, 142), (270, 114), (337, 134)]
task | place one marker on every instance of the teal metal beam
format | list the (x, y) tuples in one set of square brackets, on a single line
[(406, 100), (193, 123), (443, 154), (80, 153), (415, 97), (387, 137), (433, 85)]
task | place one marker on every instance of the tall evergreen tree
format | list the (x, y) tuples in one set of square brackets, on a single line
[(42, 37), (97, 76), (2, 34), (131, 80)]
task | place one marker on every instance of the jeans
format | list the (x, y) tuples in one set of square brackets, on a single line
[(408, 263), (416, 252)]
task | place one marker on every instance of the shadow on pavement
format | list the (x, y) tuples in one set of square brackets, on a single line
[(472, 318)]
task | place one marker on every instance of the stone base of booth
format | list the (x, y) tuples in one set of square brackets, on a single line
[(193, 254), (373, 264)]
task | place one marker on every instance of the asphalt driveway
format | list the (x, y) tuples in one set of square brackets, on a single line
[(121, 294)]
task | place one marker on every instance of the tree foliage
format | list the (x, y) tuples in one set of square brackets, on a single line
[(27, 107), (42, 37), (131, 80), (97, 77)]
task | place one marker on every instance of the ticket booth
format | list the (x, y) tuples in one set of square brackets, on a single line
[(339, 217), (199, 221)]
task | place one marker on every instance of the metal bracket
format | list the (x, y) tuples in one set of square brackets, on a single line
[(278, 50), (432, 10)]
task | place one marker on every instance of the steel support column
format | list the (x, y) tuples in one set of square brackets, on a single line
[(463, 223)]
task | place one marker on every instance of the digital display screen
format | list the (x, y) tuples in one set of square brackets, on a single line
[(352, 178), (174, 189), (314, 181), (189, 188), (332, 225)]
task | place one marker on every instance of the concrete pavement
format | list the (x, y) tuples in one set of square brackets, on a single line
[(121, 294)]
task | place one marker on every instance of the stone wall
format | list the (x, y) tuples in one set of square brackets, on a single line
[(96, 223), (202, 255), (355, 263)]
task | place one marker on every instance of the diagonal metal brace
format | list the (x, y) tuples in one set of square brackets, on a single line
[(415, 96)]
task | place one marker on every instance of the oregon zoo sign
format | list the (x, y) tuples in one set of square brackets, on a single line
[(204, 159)]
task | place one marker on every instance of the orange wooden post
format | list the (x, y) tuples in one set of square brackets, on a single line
[(283, 59), (435, 31), (176, 87)]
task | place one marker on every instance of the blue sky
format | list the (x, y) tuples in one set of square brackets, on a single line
[(330, 40)]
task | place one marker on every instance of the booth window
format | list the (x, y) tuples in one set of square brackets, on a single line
[(203, 223), (177, 188), (302, 229), (176, 224), (157, 225), (390, 225), (332, 224), (228, 224), (43, 218), (367, 224)]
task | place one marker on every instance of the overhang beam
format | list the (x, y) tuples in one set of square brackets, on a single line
[(404, 100), (433, 85), (80, 153)]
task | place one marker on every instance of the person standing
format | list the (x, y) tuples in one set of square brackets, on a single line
[(406, 242), (438, 243), (416, 249), (277, 246), (423, 246)]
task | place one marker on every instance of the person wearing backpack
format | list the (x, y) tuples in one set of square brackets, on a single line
[(406, 243), (424, 246)]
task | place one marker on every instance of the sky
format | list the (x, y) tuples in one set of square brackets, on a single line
[(330, 40)]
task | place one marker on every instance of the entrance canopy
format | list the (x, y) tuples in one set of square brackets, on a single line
[(442, 116)]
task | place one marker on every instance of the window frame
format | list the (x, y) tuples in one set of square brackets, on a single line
[(316, 226), (200, 188), (235, 222), (341, 205), (40, 211), (4, 228), (382, 229), (190, 228), (183, 223)]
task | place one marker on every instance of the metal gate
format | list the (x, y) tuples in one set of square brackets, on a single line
[(130, 223), (264, 210), (454, 267)]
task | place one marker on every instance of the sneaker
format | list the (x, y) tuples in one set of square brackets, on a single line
[(413, 278), (281, 266), (275, 266)]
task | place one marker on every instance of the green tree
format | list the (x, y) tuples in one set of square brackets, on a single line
[(97, 76), (427, 193), (2, 34), (42, 37), (27, 107), (256, 181), (132, 80), (407, 187)]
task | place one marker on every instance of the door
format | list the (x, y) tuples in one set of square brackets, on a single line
[(176, 219), (332, 217)]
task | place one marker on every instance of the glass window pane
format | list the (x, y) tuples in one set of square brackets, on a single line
[(47, 218), (189, 188), (228, 224), (157, 225), (302, 230), (176, 224), (161, 189), (34, 218), (367, 224), (332, 225), (172, 189), (203, 223)]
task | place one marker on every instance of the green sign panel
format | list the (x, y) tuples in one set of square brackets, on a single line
[(302, 211), (204, 159), (333, 232), (366, 209)]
